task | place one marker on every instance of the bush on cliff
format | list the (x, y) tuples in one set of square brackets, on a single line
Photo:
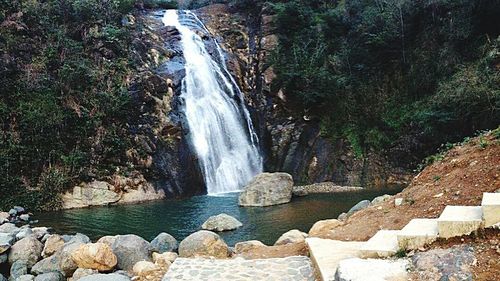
[(399, 75), (64, 101)]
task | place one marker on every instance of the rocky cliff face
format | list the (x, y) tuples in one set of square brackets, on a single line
[(291, 141)]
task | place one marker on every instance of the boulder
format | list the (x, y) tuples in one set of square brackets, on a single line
[(291, 237), (6, 241), (80, 273), (23, 233), (221, 222), (246, 246), (4, 216), (53, 244), (164, 242), (107, 240), (97, 256), (164, 258), (342, 217), (50, 276), (360, 206), (4, 258), (26, 277), (203, 243), (381, 199), (40, 232), (62, 261), (19, 210), (322, 227), (398, 202), (18, 268), (144, 268), (28, 249), (24, 217), (105, 277), (267, 189), (96, 193), (129, 249), (2, 278), (9, 228)]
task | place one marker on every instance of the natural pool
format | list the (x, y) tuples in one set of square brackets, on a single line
[(183, 217)]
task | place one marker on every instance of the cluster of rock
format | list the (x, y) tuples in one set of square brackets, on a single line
[(323, 187), (119, 190), (37, 254), (15, 215)]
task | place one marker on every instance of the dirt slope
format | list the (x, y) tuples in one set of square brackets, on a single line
[(460, 178)]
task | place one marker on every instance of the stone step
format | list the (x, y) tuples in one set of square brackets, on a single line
[(383, 244), (491, 209), (417, 233), (459, 220), (356, 269), (296, 268), (326, 255)]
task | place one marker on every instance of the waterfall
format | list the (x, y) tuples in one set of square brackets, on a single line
[(220, 128)]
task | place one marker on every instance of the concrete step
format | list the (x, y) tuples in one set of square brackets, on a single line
[(200, 269), (491, 209), (459, 220), (356, 269), (417, 233), (326, 255), (383, 244)]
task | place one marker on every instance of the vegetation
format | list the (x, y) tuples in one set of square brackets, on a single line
[(64, 99), (397, 75)]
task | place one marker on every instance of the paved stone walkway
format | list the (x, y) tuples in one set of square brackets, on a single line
[(277, 269)]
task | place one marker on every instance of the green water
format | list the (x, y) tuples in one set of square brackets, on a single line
[(183, 217)]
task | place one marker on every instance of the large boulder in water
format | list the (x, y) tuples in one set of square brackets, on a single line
[(129, 249), (221, 222), (267, 189), (203, 244)]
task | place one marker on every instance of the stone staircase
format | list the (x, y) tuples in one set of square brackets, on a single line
[(454, 221)]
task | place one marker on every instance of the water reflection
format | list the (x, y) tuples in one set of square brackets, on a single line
[(183, 217)]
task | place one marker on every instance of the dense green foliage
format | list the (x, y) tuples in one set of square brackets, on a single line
[(64, 67), (398, 74)]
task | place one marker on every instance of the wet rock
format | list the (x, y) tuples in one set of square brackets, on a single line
[(267, 189), (80, 273), (54, 243), (105, 277), (323, 227), (164, 242), (28, 249), (454, 263), (360, 206), (24, 217), (222, 222), (203, 244), (291, 237), (97, 256), (18, 268), (50, 276), (246, 246), (129, 249)]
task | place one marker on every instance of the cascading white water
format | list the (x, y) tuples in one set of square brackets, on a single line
[(220, 128)]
